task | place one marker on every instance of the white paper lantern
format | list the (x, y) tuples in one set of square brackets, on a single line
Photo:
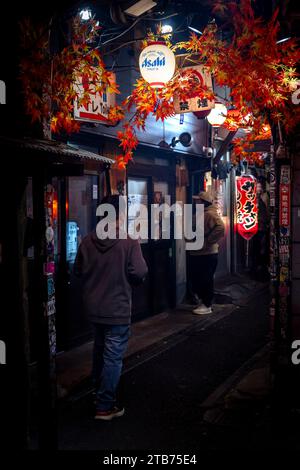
[(157, 64), (217, 116)]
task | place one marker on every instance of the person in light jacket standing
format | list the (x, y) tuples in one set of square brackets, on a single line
[(108, 268), (203, 263)]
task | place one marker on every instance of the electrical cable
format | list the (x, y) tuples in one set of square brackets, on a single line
[(134, 23), (160, 19), (135, 40), (123, 32)]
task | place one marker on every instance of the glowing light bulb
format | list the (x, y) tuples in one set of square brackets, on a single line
[(217, 115), (85, 14)]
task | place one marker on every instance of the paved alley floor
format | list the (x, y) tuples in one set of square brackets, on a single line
[(163, 394)]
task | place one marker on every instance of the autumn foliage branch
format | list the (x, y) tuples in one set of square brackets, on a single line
[(49, 79), (260, 73)]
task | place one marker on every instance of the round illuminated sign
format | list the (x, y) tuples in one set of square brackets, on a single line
[(157, 64), (217, 116)]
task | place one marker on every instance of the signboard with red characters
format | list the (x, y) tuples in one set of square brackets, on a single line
[(97, 110), (284, 197), (196, 104), (247, 213), (284, 205)]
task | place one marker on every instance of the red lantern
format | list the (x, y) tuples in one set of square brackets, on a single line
[(247, 214), (201, 114)]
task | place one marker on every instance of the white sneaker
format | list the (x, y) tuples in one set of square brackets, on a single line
[(202, 310)]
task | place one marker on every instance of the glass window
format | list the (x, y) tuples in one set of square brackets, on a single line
[(82, 200), (161, 196), (137, 197)]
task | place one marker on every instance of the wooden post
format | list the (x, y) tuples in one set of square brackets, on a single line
[(45, 309)]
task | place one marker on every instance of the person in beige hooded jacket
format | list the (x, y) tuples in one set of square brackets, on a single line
[(203, 263)]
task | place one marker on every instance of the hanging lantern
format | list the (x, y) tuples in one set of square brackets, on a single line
[(157, 64), (218, 114), (246, 205), (201, 114)]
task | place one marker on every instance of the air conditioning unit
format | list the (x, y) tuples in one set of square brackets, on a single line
[(137, 8)]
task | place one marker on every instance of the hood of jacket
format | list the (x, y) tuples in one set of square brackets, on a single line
[(103, 245), (212, 208)]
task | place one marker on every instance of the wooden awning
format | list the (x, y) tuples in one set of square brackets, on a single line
[(31, 155)]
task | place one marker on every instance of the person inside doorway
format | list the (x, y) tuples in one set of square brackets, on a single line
[(108, 268), (203, 263), (261, 238)]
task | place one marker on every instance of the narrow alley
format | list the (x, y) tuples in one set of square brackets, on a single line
[(163, 395)]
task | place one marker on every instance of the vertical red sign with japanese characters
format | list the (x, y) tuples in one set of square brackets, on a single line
[(247, 214), (284, 197)]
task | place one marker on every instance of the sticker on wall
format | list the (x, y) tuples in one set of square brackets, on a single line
[(95, 191), (49, 267), (52, 342), (50, 307), (49, 234), (50, 287), (72, 233)]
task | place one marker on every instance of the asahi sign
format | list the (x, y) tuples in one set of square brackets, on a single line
[(196, 103), (157, 64), (97, 109)]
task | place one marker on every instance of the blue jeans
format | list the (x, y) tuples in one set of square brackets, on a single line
[(109, 348)]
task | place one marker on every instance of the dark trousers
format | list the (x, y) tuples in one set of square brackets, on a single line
[(202, 272), (260, 251), (109, 348)]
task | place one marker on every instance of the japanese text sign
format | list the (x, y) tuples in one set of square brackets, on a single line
[(196, 103), (247, 213), (97, 109)]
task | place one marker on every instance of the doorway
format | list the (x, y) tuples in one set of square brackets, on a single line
[(158, 292), (78, 198)]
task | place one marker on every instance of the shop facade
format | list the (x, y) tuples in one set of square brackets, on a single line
[(64, 185), (76, 187), (164, 175)]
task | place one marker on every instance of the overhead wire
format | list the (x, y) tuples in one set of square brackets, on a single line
[(134, 23)]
